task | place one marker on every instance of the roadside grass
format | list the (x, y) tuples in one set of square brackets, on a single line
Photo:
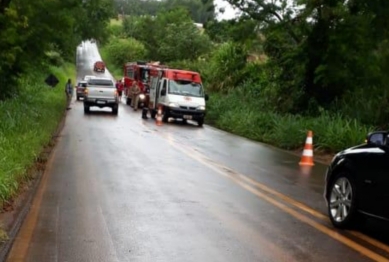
[(331, 133), (27, 123)]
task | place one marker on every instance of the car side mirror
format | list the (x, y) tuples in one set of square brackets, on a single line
[(378, 138), (206, 97), (163, 92)]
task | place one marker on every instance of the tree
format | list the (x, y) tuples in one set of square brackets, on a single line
[(28, 29)]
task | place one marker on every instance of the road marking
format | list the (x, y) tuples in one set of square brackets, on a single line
[(291, 201), (329, 232), (22, 241)]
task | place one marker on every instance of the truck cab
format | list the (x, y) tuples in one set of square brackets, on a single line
[(136, 72), (179, 93)]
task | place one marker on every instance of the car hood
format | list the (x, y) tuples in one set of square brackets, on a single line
[(361, 149)]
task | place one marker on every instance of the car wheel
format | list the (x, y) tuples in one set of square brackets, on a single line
[(86, 109), (342, 207), (200, 122), (115, 110)]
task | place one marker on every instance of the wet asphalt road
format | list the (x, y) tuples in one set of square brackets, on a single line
[(119, 188)]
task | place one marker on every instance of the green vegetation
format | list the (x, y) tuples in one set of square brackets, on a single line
[(32, 30), (199, 11), (37, 38), (280, 70), (27, 124)]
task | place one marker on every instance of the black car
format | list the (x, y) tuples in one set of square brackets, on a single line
[(357, 182)]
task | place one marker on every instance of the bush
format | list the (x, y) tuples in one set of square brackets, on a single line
[(241, 114), (225, 66), (27, 123), (124, 50), (55, 58)]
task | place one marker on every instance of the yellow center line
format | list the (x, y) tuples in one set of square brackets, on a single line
[(293, 202), (305, 208), (329, 232)]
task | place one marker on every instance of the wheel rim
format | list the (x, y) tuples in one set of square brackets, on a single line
[(341, 199)]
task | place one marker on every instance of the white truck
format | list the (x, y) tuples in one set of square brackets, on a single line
[(101, 92), (179, 93)]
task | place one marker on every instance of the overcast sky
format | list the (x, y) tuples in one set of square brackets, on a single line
[(229, 11)]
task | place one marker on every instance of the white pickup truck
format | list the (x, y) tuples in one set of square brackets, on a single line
[(101, 92)]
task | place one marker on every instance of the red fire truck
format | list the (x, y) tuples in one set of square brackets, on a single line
[(137, 72)]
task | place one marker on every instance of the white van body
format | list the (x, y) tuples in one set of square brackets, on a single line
[(187, 101)]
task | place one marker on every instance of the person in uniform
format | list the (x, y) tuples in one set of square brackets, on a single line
[(135, 92)]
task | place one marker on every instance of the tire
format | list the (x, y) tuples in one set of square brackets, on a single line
[(115, 110), (153, 113), (200, 122), (86, 109), (165, 116), (128, 101), (342, 205)]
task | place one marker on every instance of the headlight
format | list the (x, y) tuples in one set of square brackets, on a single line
[(201, 108), (173, 105), (142, 96)]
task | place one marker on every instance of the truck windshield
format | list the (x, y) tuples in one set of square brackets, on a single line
[(185, 88), (145, 75)]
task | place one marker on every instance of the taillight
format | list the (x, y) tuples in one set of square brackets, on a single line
[(86, 91)]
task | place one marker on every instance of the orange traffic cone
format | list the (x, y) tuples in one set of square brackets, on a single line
[(307, 157), (159, 116)]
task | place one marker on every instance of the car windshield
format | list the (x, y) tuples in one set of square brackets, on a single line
[(100, 82), (185, 88), (81, 84)]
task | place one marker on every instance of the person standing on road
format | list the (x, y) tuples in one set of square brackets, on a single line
[(120, 88), (69, 93), (135, 92)]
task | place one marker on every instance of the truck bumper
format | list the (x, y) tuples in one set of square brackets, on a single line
[(186, 113), (101, 102)]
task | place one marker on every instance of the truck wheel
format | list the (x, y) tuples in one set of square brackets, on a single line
[(165, 116), (86, 109), (200, 122)]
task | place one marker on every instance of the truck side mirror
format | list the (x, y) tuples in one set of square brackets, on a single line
[(378, 138), (206, 97), (163, 92)]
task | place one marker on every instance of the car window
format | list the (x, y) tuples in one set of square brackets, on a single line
[(377, 139), (100, 82)]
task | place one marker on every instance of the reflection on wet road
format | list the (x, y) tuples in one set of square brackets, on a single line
[(119, 188)]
